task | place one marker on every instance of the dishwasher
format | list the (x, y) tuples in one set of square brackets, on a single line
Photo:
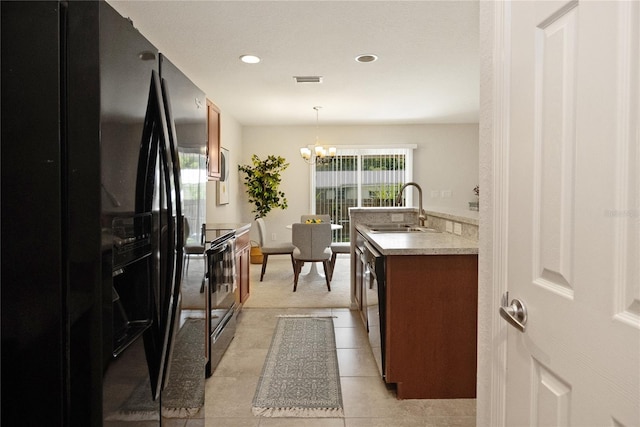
[(375, 300)]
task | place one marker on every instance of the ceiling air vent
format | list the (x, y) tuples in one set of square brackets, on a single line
[(308, 79)]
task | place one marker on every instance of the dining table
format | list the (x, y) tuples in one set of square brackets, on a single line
[(333, 227)]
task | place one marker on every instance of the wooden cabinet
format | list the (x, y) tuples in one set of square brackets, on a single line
[(213, 141), (431, 325), (243, 253)]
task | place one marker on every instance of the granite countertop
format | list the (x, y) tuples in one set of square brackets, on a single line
[(420, 243), (239, 227), (460, 215)]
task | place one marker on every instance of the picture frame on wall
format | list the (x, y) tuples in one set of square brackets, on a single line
[(222, 186)]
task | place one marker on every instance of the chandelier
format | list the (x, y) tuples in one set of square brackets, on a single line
[(319, 154)]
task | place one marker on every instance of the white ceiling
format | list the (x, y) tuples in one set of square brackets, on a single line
[(427, 71)]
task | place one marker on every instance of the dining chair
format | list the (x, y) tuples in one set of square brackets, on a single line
[(339, 248), (192, 248), (274, 248), (312, 244), (323, 218)]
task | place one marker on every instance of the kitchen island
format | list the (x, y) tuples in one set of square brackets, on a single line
[(427, 309)]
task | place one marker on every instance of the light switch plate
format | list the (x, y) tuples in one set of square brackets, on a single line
[(446, 194), (449, 227), (457, 228), (398, 217)]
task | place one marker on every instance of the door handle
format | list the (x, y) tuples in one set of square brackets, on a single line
[(514, 313)]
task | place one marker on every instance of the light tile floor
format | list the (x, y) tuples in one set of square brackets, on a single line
[(367, 401)]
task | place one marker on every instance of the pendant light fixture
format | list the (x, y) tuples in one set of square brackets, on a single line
[(319, 154)]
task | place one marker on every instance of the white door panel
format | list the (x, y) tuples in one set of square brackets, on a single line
[(573, 229)]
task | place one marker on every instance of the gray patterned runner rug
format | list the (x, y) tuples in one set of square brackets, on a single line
[(300, 377), (184, 395)]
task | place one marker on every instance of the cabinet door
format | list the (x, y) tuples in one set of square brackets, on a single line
[(244, 275), (213, 144), (243, 252), (431, 325)]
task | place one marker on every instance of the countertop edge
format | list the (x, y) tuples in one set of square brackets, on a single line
[(239, 227), (430, 251), (421, 244)]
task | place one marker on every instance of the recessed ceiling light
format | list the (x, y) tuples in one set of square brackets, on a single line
[(368, 57), (250, 59)]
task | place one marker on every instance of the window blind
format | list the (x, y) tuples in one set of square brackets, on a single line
[(359, 177)]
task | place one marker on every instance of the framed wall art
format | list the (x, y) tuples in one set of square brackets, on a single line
[(222, 186)]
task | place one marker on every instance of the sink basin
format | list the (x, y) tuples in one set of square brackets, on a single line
[(400, 228)]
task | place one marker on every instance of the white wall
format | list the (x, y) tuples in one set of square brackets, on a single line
[(446, 159), (231, 139)]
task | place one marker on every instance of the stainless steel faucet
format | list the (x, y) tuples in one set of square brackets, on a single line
[(421, 214)]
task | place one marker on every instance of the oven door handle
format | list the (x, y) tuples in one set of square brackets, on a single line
[(370, 249), (218, 249)]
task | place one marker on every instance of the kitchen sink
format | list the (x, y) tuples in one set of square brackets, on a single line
[(400, 228)]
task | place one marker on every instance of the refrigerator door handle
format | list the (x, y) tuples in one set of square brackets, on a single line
[(156, 145), (154, 136), (174, 162), (172, 146)]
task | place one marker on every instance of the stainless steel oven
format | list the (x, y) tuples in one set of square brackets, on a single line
[(375, 299), (221, 283)]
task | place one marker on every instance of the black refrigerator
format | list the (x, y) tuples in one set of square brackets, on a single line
[(92, 214)]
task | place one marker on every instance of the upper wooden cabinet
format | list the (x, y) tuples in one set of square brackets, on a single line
[(213, 147)]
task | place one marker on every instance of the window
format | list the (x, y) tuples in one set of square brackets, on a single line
[(359, 177), (193, 176)]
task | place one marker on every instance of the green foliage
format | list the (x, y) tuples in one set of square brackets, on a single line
[(262, 181), (382, 163), (336, 163), (386, 192), (189, 161)]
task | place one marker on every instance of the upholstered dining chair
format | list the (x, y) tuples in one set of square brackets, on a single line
[(339, 248), (274, 248), (323, 218), (192, 248), (312, 244)]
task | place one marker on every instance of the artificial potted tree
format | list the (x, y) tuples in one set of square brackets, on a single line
[(262, 181)]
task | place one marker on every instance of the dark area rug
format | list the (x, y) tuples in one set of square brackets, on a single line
[(300, 377), (183, 396)]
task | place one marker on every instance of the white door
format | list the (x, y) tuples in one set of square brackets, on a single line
[(573, 214)]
